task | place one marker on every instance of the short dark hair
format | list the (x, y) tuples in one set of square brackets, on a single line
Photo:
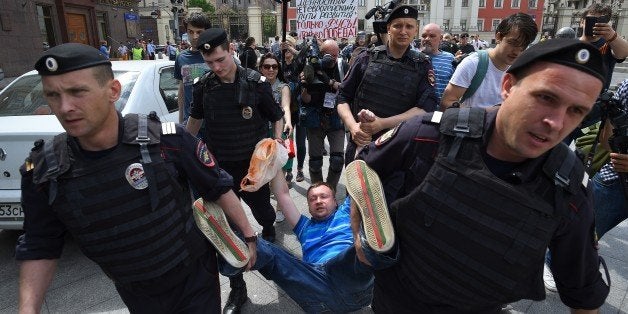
[(249, 41), (317, 184), (102, 74), (597, 8), (523, 23), (200, 20)]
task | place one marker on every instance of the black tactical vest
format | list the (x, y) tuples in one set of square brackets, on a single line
[(389, 87), (470, 240), (127, 211), (233, 120)]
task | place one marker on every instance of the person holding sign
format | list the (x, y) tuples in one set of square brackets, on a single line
[(393, 81)]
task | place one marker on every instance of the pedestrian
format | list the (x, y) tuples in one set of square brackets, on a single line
[(104, 49), (442, 61), (248, 56), (123, 52), (393, 81), (171, 50), (448, 44), (119, 186), (151, 49), (476, 81), (487, 190), (138, 52), (274, 48), (189, 64), (236, 105)]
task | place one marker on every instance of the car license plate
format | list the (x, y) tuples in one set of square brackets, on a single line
[(11, 210)]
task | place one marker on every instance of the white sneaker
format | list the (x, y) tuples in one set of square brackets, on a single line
[(279, 216), (548, 279)]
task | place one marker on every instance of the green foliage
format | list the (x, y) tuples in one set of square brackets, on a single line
[(269, 25), (203, 4)]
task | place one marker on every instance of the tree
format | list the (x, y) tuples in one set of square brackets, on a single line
[(207, 7)]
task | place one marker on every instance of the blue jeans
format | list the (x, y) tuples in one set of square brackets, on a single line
[(342, 284), (609, 203)]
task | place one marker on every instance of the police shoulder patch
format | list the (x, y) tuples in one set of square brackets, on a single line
[(431, 78), (384, 138), (204, 156)]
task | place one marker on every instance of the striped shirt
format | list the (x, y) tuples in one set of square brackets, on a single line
[(443, 70)]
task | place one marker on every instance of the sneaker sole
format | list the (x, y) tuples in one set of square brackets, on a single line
[(366, 191), (212, 222)]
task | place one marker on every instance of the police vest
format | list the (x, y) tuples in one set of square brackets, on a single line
[(233, 120), (470, 240), (390, 87), (127, 211)]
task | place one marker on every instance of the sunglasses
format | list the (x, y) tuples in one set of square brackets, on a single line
[(270, 66)]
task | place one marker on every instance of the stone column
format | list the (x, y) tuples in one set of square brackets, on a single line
[(254, 13)]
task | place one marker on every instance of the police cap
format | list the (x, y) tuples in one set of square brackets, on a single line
[(403, 11), (569, 52), (210, 38), (69, 57)]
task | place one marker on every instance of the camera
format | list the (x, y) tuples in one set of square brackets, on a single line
[(381, 13), (614, 112)]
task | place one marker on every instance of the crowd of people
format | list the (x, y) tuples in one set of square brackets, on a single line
[(462, 194)]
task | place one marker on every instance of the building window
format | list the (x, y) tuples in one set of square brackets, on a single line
[(360, 23), (446, 25), (480, 25), (498, 3), (495, 24), (482, 4), (101, 24), (463, 25), (465, 3), (514, 4), (532, 4), (361, 3), (413, 2), (378, 2), (292, 4), (447, 3), (293, 24), (45, 20)]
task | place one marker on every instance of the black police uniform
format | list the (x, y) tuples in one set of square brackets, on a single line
[(473, 234), (129, 209), (388, 86)]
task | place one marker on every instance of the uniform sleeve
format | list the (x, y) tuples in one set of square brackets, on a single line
[(269, 109), (43, 232), (465, 71), (575, 261), (349, 86), (197, 164), (427, 100), (196, 110)]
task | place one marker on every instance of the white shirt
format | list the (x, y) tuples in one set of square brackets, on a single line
[(489, 92)]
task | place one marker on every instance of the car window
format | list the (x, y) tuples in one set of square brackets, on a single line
[(169, 88), (127, 80), (23, 98)]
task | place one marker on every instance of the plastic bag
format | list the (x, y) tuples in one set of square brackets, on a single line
[(268, 158)]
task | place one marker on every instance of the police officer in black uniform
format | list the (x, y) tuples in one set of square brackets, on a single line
[(120, 187), (392, 81), (491, 189), (237, 105)]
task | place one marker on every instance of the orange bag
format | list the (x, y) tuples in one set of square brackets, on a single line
[(268, 158)]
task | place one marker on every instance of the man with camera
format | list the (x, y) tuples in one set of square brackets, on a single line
[(393, 81), (321, 78)]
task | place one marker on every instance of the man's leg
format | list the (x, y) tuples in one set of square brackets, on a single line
[(610, 204), (300, 134), (336, 140), (316, 143)]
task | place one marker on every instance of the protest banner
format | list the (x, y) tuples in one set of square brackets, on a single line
[(327, 18)]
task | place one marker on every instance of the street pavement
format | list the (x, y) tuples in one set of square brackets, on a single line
[(79, 286)]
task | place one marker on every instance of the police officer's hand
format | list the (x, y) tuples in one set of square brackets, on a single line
[(358, 136), (619, 162), (372, 127), (252, 254), (287, 129)]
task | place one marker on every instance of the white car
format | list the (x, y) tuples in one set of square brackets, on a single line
[(147, 86)]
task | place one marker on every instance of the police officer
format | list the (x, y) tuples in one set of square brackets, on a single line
[(120, 187), (321, 118), (491, 188), (237, 105), (393, 81)]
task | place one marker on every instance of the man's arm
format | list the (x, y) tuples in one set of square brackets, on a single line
[(181, 101), (387, 123), (359, 136), (232, 207), (280, 189), (451, 94), (193, 125), (35, 278)]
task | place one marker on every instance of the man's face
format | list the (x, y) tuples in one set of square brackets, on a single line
[(193, 33), (401, 32), (464, 40), (221, 61), (79, 102), (321, 202), (430, 40), (510, 47), (540, 110)]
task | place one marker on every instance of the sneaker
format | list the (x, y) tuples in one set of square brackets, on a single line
[(366, 191), (288, 176), (548, 279), (300, 177), (235, 301), (211, 220), (279, 217)]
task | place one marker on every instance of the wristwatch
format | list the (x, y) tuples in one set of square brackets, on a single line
[(251, 239)]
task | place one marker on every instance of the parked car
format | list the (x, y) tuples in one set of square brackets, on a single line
[(25, 117)]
